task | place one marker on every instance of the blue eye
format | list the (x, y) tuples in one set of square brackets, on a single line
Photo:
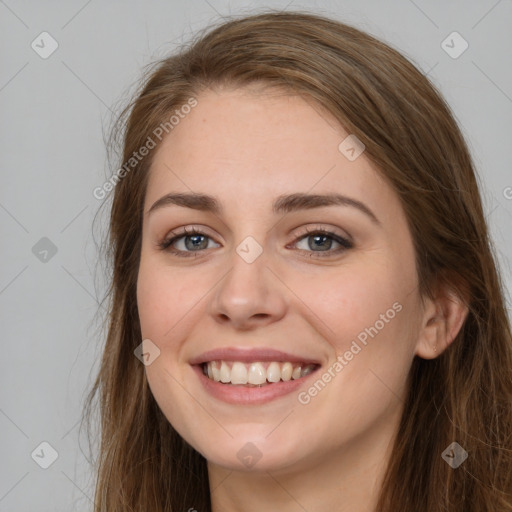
[(323, 240), (195, 241)]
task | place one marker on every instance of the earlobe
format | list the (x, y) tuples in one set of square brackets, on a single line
[(442, 320)]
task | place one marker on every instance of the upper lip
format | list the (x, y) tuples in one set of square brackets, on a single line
[(249, 356)]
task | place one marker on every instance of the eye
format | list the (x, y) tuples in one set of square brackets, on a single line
[(323, 240), (186, 243), (194, 241)]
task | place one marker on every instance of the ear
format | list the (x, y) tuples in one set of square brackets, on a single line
[(443, 317)]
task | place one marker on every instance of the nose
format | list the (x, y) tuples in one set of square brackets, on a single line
[(249, 295)]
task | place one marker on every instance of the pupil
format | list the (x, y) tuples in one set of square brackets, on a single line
[(322, 238), (196, 241)]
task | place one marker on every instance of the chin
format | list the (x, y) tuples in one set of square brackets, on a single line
[(252, 453)]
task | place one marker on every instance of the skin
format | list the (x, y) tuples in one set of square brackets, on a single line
[(247, 147)]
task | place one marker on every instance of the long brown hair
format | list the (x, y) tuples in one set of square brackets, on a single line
[(464, 395)]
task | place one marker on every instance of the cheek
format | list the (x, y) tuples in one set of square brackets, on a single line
[(366, 314), (375, 335), (164, 298), (356, 300), (166, 312), (152, 302)]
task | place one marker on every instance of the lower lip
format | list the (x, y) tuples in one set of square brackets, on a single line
[(242, 395)]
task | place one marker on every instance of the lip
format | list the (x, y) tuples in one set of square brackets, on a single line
[(249, 356), (242, 395)]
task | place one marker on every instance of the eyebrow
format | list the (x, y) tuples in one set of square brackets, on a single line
[(283, 204)]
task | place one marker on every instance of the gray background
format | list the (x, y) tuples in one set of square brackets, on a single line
[(55, 112)]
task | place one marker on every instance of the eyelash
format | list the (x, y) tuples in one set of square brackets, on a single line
[(166, 244)]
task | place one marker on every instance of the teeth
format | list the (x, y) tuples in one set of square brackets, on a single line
[(238, 374), (306, 371), (215, 371), (286, 371), (225, 373), (274, 372), (255, 374)]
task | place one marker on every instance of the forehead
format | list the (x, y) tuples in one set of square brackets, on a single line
[(256, 146)]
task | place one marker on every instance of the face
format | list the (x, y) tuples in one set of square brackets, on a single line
[(318, 297)]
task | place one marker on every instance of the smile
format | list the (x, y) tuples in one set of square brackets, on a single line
[(257, 373), (252, 376)]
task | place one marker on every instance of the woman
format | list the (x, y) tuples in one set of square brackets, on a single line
[(339, 339)]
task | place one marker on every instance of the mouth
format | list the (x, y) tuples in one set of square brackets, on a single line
[(256, 374), (252, 376)]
